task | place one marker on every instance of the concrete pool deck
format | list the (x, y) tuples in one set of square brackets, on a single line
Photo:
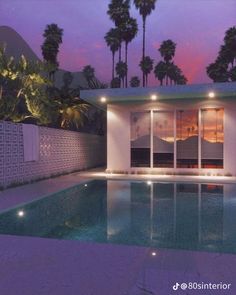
[(39, 266)]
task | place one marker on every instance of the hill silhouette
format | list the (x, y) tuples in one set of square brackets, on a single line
[(17, 46)]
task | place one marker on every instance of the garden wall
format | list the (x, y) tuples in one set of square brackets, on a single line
[(60, 151)]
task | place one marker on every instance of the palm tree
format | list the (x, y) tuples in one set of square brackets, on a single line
[(50, 48), (145, 8), (232, 74), (118, 10), (129, 30), (226, 56), (167, 51), (115, 83), (160, 71), (89, 74), (121, 71), (230, 41), (221, 70), (113, 41), (134, 82), (181, 80), (218, 72), (146, 66)]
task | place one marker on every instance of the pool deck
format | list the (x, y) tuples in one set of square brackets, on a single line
[(36, 266)]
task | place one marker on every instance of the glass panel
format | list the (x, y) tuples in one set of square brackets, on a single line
[(163, 139), (212, 140), (187, 139), (140, 139)]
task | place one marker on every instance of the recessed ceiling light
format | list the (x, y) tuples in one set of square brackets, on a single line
[(211, 94), (153, 97), (103, 99)]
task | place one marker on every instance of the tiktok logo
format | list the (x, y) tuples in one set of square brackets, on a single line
[(176, 286)]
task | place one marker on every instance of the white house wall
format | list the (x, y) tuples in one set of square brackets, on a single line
[(118, 134)]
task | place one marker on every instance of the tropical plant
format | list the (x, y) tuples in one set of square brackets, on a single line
[(89, 74), (118, 10), (113, 41), (167, 50), (145, 8), (50, 48), (129, 30), (22, 90), (121, 71), (92, 81), (166, 69), (232, 74), (218, 72), (134, 82), (222, 70), (146, 66), (160, 71), (71, 110), (115, 83)]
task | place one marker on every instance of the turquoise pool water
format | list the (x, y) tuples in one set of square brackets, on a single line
[(159, 215)]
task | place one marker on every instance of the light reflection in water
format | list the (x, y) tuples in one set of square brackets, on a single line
[(158, 215)]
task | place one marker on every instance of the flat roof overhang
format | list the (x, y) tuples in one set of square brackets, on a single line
[(141, 94)]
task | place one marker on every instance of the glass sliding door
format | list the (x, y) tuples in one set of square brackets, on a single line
[(212, 138), (187, 138), (163, 139), (140, 139)]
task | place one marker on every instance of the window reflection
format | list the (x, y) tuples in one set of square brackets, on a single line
[(187, 138), (140, 139), (212, 139), (163, 139)]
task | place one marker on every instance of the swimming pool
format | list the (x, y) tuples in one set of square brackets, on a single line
[(198, 217)]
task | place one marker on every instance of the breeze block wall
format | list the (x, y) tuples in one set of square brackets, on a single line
[(61, 151)]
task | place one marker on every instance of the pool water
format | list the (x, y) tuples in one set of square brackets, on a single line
[(159, 215)]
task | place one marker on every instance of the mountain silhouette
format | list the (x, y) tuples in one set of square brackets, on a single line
[(17, 46)]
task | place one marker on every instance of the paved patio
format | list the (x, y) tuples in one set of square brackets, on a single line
[(36, 266)]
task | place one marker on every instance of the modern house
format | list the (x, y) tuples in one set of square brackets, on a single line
[(170, 129)]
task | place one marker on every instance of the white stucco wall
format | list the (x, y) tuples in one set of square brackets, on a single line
[(118, 133)]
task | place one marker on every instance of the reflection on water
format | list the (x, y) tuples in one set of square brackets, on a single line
[(162, 215)]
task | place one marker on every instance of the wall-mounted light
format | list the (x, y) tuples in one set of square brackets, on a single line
[(149, 182), (21, 213), (103, 99), (153, 97), (211, 94)]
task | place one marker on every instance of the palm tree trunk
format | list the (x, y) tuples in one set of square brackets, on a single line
[(146, 80), (119, 53), (113, 65), (144, 33), (126, 61)]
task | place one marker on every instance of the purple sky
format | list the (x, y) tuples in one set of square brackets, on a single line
[(197, 26)]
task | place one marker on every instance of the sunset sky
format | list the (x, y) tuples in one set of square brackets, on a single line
[(197, 26)]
